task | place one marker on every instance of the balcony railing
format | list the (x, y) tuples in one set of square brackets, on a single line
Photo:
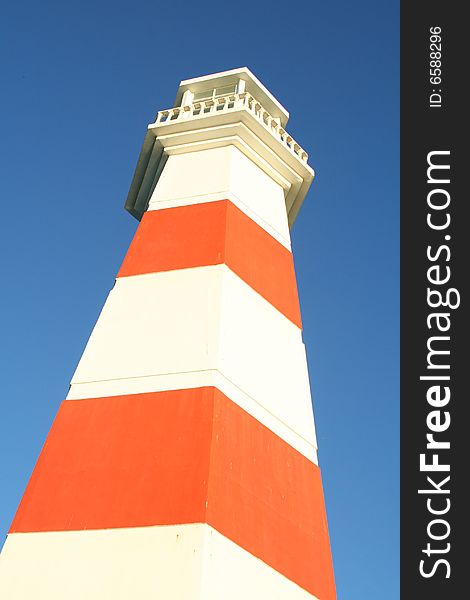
[(229, 103)]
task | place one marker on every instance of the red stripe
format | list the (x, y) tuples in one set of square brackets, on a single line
[(122, 461), (214, 233), (268, 498), (177, 457)]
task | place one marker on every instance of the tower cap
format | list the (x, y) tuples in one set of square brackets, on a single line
[(251, 84)]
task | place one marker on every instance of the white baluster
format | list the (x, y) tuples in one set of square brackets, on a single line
[(229, 102)]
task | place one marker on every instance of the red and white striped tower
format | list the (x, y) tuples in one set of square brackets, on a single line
[(183, 463)]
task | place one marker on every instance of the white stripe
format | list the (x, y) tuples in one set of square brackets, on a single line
[(176, 562), (202, 319), (223, 173)]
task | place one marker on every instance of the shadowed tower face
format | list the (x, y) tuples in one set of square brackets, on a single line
[(183, 463)]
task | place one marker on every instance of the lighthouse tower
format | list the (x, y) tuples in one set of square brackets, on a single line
[(182, 464)]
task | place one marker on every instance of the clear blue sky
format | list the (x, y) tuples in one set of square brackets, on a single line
[(80, 81)]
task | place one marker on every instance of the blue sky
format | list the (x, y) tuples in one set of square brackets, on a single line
[(81, 80)]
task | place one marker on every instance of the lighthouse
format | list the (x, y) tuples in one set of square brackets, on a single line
[(182, 464)]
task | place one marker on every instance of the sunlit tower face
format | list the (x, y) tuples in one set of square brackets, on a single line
[(183, 462)]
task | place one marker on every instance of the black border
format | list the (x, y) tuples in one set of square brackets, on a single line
[(425, 129)]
